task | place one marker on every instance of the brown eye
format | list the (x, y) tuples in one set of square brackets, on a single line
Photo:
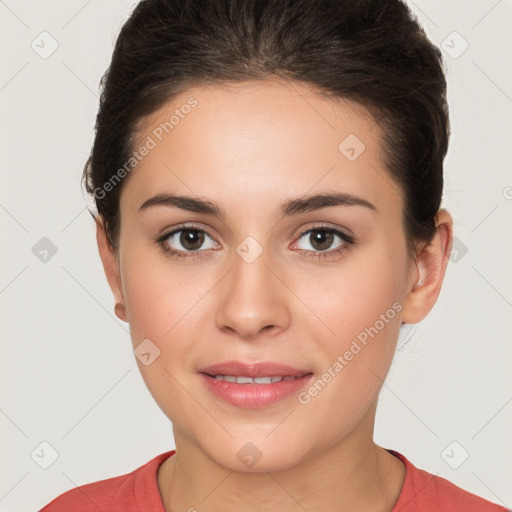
[(191, 239), (323, 239), (187, 240)]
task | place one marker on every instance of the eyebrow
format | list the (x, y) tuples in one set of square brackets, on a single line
[(289, 207)]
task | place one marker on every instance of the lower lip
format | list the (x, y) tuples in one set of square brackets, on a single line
[(255, 396)]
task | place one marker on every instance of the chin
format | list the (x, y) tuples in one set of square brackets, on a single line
[(259, 455)]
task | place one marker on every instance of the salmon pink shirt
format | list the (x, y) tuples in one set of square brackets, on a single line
[(138, 492)]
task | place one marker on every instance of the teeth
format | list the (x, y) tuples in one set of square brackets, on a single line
[(263, 380), (255, 380)]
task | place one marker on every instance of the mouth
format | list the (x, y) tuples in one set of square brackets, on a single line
[(243, 379), (254, 385)]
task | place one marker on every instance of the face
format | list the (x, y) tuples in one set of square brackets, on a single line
[(261, 272)]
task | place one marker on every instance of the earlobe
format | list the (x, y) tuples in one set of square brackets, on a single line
[(431, 266), (120, 312), (111, 267)]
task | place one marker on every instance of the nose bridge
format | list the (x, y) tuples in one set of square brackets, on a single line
[(251, 299)]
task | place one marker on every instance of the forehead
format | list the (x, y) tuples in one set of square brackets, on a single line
[(252, 138)]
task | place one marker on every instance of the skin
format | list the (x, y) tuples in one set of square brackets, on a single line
[(248, 147)]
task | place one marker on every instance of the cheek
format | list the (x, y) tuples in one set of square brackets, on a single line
[(361, 295), (162, 304), (360, 311), (364, 315), (159, 295)]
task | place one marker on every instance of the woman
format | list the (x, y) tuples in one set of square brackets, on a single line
[(268, 178)]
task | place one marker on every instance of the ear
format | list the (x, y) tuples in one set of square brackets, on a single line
[(426, 281), (110, 266)]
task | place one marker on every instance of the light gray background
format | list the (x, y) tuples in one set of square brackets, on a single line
[(68, 375)]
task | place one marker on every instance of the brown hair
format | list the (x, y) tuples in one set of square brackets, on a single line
[(373, 52)]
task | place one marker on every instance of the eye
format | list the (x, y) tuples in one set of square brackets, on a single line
[(324, 241), (191, 241), (185, 240)]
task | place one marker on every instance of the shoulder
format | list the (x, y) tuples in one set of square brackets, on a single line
[(121, 493), (424, 491)]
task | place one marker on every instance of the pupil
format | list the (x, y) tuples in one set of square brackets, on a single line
[(323, 238), (191, 237)]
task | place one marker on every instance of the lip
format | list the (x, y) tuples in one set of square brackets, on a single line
[(263, 369), (254, 396)]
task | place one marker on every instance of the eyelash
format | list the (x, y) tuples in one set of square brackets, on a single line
[(348, 241)]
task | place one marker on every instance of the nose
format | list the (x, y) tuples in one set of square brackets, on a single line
[(252, 300)]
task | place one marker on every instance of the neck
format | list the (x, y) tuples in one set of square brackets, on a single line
[(353, 474)]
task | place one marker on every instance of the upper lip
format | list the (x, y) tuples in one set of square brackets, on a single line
[(262, 369)]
